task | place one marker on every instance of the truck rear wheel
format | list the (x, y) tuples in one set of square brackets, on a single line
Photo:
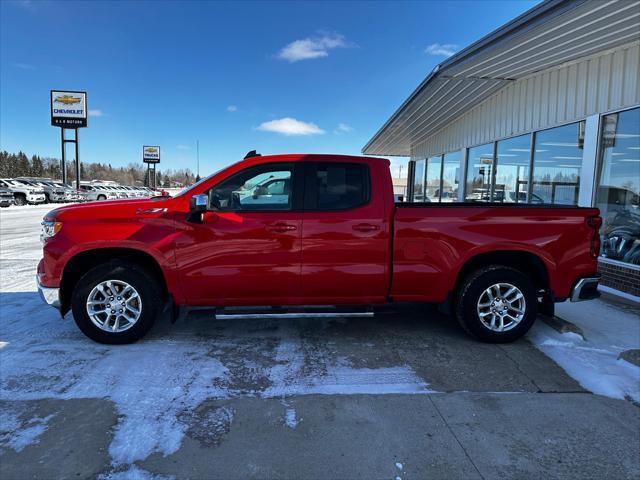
[(497, 304), (116, 303)]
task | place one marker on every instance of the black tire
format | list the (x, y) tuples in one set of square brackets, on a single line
[(475, 285), (144, 283), (21, 199), (101, 197)]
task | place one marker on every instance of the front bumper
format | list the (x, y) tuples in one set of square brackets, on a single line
[(36, 197), (51, 296), (74, 198), (585, 289)]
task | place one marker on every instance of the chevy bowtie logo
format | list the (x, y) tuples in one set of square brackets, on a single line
[(68, 99), (151, 150)]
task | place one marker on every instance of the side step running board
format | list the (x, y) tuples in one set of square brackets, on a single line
[(242, 316)]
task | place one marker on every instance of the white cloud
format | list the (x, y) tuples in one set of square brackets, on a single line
[(182, 147), (232, 108), (445, 49), (290, 126), (344, 128), (24, 66), (26, 4), (96, 113), (312, 47)]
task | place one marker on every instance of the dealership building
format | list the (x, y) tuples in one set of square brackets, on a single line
[(546, 109)]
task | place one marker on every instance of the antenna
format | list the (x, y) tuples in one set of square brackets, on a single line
[(251, 154), (198, 158)]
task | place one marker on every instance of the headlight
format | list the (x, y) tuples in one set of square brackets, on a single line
[(49, 229)]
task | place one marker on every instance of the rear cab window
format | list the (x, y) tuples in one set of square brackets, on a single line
[(335, 186)]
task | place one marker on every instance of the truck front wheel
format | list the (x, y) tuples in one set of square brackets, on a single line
[(116, 303), (497, 304)]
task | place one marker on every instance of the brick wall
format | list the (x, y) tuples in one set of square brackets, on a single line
[(620, 277)]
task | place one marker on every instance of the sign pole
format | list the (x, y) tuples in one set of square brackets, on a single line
[(77, 162), (64, 162)]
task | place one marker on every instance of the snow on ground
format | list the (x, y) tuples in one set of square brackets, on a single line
[(17, 433), (608, 328)]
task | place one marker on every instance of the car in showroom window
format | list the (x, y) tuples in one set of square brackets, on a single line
[(618, 194)]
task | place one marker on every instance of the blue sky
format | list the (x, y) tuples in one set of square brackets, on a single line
[(276, 77)]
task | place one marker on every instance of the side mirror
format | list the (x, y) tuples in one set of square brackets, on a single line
[(198, 203)]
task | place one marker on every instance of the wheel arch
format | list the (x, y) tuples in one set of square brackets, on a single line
[(84, 261), (526, 262)]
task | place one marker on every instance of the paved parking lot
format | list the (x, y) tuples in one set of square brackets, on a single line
[(403, 395)]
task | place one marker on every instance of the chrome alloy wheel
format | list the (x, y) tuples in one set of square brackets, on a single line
[(501, 307), (114, 306)]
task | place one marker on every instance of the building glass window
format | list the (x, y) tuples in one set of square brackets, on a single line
[(479, 173), (512, 170), (418, 181), (450, 177), (618, 192), (432, 183), (557, 161)]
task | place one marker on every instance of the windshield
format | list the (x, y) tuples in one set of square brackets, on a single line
[(202, 180)]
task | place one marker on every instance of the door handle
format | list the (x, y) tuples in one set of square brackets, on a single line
[(281, 227), (366, 227)]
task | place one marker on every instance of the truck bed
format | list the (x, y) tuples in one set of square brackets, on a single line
[(433, 242)]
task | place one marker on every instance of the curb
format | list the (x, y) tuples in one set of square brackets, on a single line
[(562, 326), (632, 356)]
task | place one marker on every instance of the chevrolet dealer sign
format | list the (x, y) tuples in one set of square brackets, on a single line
[(151, 154), (68, 109)]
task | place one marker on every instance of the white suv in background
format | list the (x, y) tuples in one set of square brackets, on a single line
[(23, 192), (97, 192)]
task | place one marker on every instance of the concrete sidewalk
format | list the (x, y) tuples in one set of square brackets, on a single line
[(456, 435)]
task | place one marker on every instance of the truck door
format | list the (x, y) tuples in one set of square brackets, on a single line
[(247, 250), (345, 234)]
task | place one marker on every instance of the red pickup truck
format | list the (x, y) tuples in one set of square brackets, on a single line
[(316, 235)]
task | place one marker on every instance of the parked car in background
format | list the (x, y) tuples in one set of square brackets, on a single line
[(118, 190), (71, 194), (6, 197), (52, 192), (141, 192), (97, 193), (325, 238), (23, 192)]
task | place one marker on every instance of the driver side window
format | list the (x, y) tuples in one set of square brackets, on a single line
[(263, 187)]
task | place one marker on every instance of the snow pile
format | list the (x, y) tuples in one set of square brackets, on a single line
[(609, 328)]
